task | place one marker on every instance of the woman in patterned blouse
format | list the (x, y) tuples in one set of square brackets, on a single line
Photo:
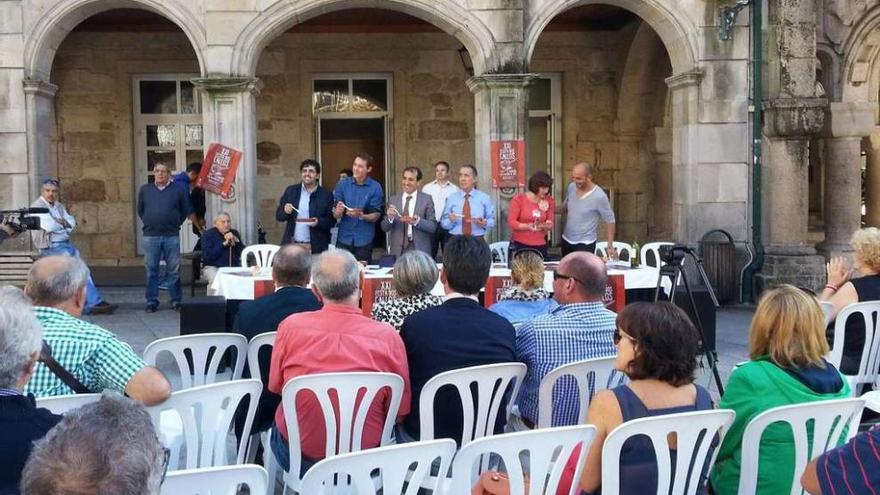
[(526, 298), (415, 274)]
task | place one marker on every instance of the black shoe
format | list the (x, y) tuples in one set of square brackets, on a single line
[(103, 308), (151, 308), (175, 306)]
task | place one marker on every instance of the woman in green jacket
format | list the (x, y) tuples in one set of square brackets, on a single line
[(786, 346)]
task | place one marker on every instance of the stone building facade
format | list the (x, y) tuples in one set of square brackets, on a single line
[(97, 91)]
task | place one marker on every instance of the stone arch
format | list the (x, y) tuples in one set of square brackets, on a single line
[(828, 72), (639, 74), (860, 78), (49, 31), (671, 26), (445, 14)]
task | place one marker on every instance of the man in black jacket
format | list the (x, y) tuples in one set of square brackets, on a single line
[(21, 421), (290, 272), (309, 216)]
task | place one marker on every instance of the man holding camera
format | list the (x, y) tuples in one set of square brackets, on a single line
[(53, 238)]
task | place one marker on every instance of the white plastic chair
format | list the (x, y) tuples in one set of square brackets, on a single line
[(200, 346), (694, 433), (263, 254), (654, 248), (828, 418), (827, 310), (225, 480), (592, 375), (253, 364), (869, 365), (492, 381), (347, 432), (621, 247), (392, 463), (61, 404), (548, 452), (872, 400), (207, 415), (500, 250)]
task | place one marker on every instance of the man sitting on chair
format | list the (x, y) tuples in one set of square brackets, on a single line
[(410, 216), (221, 246)]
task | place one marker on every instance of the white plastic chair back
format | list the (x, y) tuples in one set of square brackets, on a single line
[(348, 432), (492, 381), (500, 251), (654, 248), (592, 375), (869, 365), (263, 254), (61, 404), (827, 310), (694, 432), (872, 400), (548, 452), (829, 420), (207, 414), (621, 247), (225, 480), (253, 353), (393, 464), (201, 347)]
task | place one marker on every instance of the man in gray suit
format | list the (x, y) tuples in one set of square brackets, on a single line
[(410, 216)]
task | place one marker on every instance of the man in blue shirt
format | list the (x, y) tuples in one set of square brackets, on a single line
[(468, 211), (358, 208)]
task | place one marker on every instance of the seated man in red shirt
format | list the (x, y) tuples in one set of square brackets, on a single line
[(336, 338)]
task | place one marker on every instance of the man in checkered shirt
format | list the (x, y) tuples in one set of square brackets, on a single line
[(580, 328), (57, 286)]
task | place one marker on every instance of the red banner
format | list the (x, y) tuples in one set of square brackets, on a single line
[(508, 163), (495, 286), (263, 288), (615, 293), (218, 169), (376, 290)]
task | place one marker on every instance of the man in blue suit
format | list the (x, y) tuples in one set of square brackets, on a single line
[(290, 272)]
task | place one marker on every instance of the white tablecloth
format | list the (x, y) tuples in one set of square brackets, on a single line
[(237, 282)]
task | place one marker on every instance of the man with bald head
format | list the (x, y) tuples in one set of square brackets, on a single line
[(336, 338), (93, 355), (586, 203), (580, 328)]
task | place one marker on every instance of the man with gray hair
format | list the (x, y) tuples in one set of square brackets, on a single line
[(20, 420), (336, 338), (580, 328), (94, 356), (107, 447)]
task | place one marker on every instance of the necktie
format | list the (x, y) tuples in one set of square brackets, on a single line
[(408, 232), (466, 228)]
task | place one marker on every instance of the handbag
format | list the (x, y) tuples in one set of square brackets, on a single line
[(59, 371)]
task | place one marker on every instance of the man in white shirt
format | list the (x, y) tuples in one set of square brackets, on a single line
[(440, 189), (410, 216), (53, 238), (586, 203)]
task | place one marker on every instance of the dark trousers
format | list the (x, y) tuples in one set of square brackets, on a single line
[(518, 246), (361, 253), (568, 247), (441, 235)]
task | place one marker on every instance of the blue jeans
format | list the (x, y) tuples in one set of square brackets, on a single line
[(157, 248), (65, 248), (281, 451)]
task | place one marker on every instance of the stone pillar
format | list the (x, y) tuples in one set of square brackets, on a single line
[(229, 116), (872, 180), (501, 113), (787, 128), (40, 107), (660, 217), (685, 93), (845, 126)]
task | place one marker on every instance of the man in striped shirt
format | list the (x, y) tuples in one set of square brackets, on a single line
[(94, 356), (851, 469)]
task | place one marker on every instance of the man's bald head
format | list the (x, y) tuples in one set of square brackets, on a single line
[(584, 168), (56, 279), (589, 270), (336, 275)]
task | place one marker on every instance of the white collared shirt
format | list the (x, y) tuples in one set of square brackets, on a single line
[(457, 295), (410, 211), (439, 193)]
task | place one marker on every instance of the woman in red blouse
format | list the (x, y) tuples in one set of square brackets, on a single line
[(531, 215)]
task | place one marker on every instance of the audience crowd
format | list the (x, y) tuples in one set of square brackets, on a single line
[(110, 446)]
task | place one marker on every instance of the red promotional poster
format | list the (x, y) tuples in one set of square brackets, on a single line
[(263, 288), (376, 290), (218, 169), (495, 286), (615, 294), (508, 163)]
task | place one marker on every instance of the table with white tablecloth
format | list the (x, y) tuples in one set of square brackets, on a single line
[(235, 282)]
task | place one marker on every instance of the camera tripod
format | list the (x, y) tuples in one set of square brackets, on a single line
[(673, 270)]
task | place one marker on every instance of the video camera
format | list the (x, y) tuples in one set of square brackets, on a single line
[(23, 219), (673, 254)]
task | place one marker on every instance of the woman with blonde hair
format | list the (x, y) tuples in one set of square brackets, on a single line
[(786, 347), (843, 290), (526, 298)]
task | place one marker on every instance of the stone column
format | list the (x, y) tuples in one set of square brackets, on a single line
[(685, 94), (845, 126), (872, 180), (40, 108), (501, 113), (789, 258), (660, 224), (229, 116)]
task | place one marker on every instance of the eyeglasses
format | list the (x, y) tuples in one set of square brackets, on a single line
[(558, 276), (167, 457), (620, 335)]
